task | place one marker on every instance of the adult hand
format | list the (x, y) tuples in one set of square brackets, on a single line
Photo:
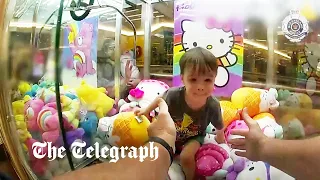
[(162, 126), (252, 144)]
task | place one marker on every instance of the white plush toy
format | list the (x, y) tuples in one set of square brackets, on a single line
[(262, 171), (145, 93)]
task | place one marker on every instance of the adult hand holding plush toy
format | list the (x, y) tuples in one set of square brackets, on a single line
[(252, 144), (163, 126)]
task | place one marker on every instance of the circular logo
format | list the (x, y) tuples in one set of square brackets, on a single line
[(295, 27)]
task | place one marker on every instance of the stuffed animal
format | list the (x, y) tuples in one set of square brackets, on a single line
[(37, 165), (89, 123), (237, 124), (57, 167), (294, 130), (31, 111), (259, 170), (297, 100), (269, 126), (23, 88), (95, 99), (236, 168), (229, 112), (211, 129), (145, 93), (33, 91), (48, 123), (125, 129), (256, 100), (209, 159), (204, 165)]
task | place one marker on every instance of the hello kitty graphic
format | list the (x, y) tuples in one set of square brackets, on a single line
[(312, 66), (220, 41)]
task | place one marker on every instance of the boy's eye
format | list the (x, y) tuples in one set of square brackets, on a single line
[(193, 79), (208, 80)]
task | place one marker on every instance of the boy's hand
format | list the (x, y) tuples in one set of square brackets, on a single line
[(220, 137)]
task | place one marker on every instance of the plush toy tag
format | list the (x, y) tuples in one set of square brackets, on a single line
[(138, 119)]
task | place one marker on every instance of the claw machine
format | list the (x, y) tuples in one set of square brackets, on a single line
[(58, 58)]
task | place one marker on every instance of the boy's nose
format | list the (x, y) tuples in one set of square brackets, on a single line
[(200, 89)]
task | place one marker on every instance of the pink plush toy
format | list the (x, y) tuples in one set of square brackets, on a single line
[(237, 124), (209, 159), (39, 166), (81, 50), (31, 111), (48, 123)]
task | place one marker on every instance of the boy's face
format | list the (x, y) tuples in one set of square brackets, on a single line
[(199, 86)]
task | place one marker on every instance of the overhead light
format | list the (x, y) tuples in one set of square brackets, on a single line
[(261, 46), (29, 25)]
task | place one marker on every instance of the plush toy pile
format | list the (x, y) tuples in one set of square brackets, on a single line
[(37, 120), (219, 161), (295, 100), (88, 114), (124, 128)]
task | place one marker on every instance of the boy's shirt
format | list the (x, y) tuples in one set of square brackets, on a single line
[(188, 122)]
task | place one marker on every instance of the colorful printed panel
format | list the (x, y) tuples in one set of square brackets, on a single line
[(224, 38)]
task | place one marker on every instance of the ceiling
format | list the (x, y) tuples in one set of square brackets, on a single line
[(25, 10)]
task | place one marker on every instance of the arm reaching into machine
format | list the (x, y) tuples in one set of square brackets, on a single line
[(128, 168), (298, 158)]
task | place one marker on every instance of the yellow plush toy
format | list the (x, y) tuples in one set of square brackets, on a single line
[(125, 129), (24, 87), (229, 112), (95, 99), (256, 100)]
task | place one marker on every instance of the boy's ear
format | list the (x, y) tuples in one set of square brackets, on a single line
[(182, 80)]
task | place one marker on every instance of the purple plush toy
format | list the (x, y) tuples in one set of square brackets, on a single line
[(235, 169), (71, 137)]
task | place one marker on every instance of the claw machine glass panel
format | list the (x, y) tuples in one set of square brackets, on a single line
[(64, 71)]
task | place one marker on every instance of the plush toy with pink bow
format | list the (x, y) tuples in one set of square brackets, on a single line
[(143, 95)]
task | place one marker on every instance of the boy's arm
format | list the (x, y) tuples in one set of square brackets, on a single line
[(217, 122)]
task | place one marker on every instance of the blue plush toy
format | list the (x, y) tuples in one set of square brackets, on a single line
[(71, 96), (89, 123), (33, 91)]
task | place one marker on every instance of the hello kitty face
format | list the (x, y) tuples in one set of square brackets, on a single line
[(217, 41), (253, 171), (147, 91), (268, 99), (313, 54), (105, 128)]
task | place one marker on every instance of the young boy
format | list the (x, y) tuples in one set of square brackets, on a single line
[(192, 107)]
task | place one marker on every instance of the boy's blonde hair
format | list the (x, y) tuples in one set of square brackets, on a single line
[(199, 60)]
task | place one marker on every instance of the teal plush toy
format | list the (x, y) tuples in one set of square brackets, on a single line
[(283, 94), (33, 91), (211, 129), (89, 123)]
